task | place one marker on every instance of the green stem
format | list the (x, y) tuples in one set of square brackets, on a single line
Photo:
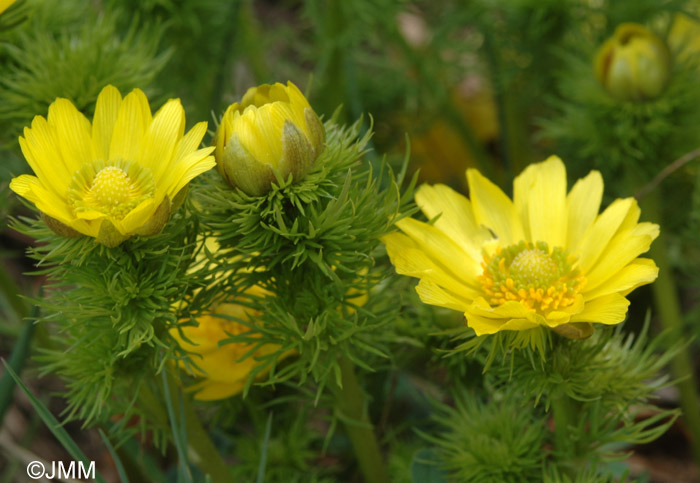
[(514, 138), (669, 310), (563, 412), (199, 441), (17, 360), (227, 40), (351, 401), (208, 457), (11, 291)]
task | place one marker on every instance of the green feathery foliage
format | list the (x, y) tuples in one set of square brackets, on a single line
[(607, 380), (41, 64), (487, 441), (111, 308)]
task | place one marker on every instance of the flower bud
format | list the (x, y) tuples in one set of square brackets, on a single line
[(272, 133), (634, 64)]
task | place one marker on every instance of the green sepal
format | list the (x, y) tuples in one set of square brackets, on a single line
[(109, 236), (575, 331), (315, 128), (158, 219), (180, 197), (59, 228), (241, 170), (297, 153)]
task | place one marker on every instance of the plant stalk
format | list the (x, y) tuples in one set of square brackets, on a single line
[(351, 402), (668, 306), (198, 440), (563, 411)]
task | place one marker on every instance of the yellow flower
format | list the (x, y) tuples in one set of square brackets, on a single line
[(116, 177), (223, 372), (634, 64), (272, 131), (545, 259)]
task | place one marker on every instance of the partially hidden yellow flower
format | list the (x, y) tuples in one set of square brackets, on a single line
[(684, 37), (115, 177), (272, 131), (634, 64), (544, 259), (221, 366)]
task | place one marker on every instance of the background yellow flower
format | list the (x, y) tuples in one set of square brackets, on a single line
[(634, 64), (544, 259), (223, 372), (116, 177)]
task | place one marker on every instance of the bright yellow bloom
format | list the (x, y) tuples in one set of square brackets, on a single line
[(116, 177), (634, 64), (223, 372), (544, 259), (273, 130)]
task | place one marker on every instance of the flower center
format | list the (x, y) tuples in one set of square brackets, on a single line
[(113, 189), (540, 278)]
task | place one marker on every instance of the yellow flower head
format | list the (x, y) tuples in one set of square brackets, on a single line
[(547, 258), (116, 177), (223, 372), (634, 64), (273, 130)]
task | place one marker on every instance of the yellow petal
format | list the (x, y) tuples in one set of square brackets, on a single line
[(137, 217), (106, 112), (31, 188), (162, 137), (640, 272), (410, 260), (185, 170), (296, 97), (540, 200), (190, 141), (456, 217), (583, 204), (432, 294), (212, 390), (73, 133), (441, 249), (610, 309), (49, 203), (621, 250), (598, 235), (485, 319), (132, 121), (40, 148), (493, 209), (556, 318)]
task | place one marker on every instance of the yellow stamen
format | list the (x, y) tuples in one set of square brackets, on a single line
[(540, 278), (113, 189)]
